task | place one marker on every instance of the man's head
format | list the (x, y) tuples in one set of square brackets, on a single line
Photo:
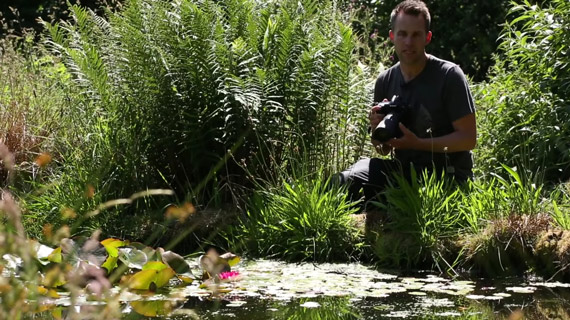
[(410, 31), (411, 7)]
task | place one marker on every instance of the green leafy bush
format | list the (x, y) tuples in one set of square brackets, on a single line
[(424, 214), (305, 221), (180, 87), (194, 96), (524, 108)]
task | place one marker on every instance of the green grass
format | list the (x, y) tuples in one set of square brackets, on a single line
[(307, 220), (424, 212)]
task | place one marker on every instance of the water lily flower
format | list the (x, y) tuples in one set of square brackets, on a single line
[(229, 275)]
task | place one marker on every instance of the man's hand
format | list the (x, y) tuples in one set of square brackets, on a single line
[(408, 140), (374, 117)]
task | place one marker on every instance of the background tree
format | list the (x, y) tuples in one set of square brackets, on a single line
[(465, 31), (17, 16)]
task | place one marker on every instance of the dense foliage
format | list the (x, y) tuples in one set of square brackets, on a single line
[(308, 220), (196, 97), (524, 108)]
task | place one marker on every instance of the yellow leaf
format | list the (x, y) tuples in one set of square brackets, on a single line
[(231, 258), (163, 277), (57, 313), (48, 292), (112, 246), (150, 279), (110, 264), (186, 279), (152, 308), (154, 265), (55, 255)]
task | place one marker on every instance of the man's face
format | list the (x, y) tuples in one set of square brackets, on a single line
[(410, 38)]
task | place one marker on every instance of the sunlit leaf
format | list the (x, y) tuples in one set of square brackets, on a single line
[(152, 308), (112, 245), (55, 256), (57, 313), (42, 251), (48, 292), (110, 264), (185, 278), (231, 258), (155, 265), (156, 275)]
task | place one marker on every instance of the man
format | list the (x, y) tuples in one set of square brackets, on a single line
[(442, 102)]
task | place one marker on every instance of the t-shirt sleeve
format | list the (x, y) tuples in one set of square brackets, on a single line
[(457, 98), (379, 91)]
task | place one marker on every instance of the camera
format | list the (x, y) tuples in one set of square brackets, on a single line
[(394, 111)]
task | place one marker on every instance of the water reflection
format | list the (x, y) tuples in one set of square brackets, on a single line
[(399, 306), (275, 290), (339, 308)]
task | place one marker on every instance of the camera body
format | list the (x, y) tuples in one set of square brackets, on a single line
[(394, 111)]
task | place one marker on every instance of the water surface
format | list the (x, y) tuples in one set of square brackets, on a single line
[(277, 290)]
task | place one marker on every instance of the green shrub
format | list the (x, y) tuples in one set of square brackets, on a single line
[(523, 110), (181, 87), (36, 107), (425, 212), (307, 220)]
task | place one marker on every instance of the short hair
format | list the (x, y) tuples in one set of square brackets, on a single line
[(411, 7)]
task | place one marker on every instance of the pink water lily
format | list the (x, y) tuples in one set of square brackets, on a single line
[(228, 275)]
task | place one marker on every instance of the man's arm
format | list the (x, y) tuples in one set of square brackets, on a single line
[(463, 138)]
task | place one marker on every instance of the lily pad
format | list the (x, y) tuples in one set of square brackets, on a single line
[(311, 304), (154, 275), (521, 289), (153, 308)]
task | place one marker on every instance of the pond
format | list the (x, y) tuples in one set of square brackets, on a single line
[(268, 289)]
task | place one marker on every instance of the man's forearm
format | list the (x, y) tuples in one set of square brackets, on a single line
[(453, 142)]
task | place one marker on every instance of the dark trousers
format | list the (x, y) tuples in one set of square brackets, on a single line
[(371, 175)]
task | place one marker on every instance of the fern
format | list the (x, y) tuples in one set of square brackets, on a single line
[(176, 84)]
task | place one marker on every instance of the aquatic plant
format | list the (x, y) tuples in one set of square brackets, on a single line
[(229, 275), (425, 211), (308, 220)]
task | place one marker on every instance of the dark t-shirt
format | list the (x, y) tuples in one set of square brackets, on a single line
[(441, 95)]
